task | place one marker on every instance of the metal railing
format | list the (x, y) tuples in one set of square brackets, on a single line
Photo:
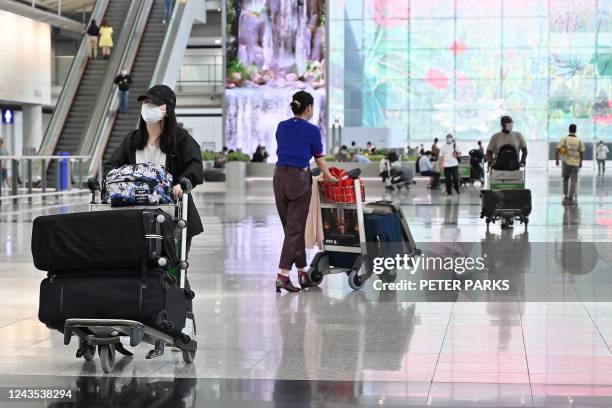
[(202, 78), (24, 184)]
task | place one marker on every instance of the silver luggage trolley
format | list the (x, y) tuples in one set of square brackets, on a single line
[(344, 247), (106, 333)]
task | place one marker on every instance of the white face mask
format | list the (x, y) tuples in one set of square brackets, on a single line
[(449, 141), (151, 114)]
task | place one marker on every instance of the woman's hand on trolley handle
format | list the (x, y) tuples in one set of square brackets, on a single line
[(322, 164)]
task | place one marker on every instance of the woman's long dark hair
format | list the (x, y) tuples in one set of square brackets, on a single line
[(167, 140)]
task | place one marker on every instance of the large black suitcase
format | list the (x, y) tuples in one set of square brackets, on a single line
[(153, 299), (496, 202), (122, 240)]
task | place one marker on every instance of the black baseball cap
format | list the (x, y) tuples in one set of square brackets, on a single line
[(160, 95)]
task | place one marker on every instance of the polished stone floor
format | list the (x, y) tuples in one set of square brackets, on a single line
[(545, 343)]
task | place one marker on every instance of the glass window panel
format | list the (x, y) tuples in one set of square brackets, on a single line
[(479, 8), (470, 32), (432, 9), (479, 63), (525, 32), (353, 9), (525, 8), (604, 131), (433, 64), (436, 34), (525, 63), (388, 13), (353, 34), (567, 64)]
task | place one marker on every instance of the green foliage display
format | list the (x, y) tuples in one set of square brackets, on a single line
[(237, 156), (207, 155)]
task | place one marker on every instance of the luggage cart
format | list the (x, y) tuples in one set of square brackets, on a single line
[(106, 333), (344, 247), (506, 199)]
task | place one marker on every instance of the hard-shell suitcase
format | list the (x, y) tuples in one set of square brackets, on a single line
[(121, 240), (152, 298)]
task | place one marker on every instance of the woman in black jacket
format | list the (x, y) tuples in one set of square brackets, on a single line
[(159, 140)]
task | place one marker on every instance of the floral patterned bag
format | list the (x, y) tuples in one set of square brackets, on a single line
[(139, 184)]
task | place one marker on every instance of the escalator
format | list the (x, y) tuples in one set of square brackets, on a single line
[(86, 121), (84, 101), (142, 72)]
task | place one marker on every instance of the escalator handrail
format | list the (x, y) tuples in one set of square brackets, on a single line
[(100, 124), (70, 87), (167, 46)]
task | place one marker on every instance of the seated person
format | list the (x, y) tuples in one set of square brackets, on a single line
[(361, 159), (500, 141), (260, 155), (343, 154), (426, 169)]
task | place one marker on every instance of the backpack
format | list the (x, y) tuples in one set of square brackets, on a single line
[(139, 184), (507, 159)]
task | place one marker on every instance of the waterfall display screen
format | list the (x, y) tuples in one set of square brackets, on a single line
[(274, 48)]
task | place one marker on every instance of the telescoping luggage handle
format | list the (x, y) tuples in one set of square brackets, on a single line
[(186, 186)]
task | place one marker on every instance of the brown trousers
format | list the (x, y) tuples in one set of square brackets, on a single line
[(292, 190)]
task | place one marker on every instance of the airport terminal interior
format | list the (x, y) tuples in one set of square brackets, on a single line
[(385, 78)]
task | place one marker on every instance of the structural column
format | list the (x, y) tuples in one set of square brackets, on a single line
[(32, 128)]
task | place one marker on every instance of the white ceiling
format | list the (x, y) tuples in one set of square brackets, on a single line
[(67, 5)]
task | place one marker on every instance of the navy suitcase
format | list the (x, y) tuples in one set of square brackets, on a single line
[(496, 201)]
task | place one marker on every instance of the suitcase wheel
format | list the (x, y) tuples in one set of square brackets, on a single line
[(315, 275), (107, 357), (354, 280), (189, 356)]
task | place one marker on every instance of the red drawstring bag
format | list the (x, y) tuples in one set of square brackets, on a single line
[(344, 190)]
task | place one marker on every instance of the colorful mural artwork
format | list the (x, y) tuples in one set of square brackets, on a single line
[(438, 66), (274, 49)]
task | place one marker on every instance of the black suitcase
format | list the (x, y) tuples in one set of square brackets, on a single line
[(122, 240), (495, 202), (158, 303)]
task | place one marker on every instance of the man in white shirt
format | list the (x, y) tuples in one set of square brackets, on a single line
[(449, 153), (601, 154), (426, 169)]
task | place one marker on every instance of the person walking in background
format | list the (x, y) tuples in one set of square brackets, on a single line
[(3, 170), (124, 79), (354, 149), (448, 161), (435, 150), (298, 141), (572, 150), (480, 148), (260, 155), (106, 39), (167, 10), (601, 154), (93, 32)]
